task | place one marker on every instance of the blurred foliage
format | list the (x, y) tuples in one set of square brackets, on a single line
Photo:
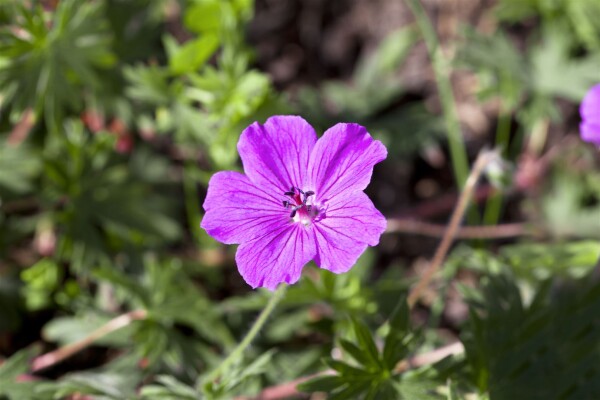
[(572, 206), (580, 19), (204, 104), (370, 373), (65, 55), (546, 348), (528, 84), (115, 113), (370, 98)]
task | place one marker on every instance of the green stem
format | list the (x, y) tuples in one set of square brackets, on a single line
[(503, 132), (441, 69), (241, 347), (493, 206)]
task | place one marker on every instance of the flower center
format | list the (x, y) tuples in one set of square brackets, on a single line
[(301, 211)]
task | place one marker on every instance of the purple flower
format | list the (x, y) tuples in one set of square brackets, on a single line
[(301, 199), (590, 116)]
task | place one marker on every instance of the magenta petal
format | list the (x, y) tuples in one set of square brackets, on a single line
[(276, 257), (275, 155), (590, 132), (590, 116), (342, 161), (237, 211), (348, 226), (590, 106)]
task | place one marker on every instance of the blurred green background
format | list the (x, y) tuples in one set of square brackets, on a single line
[(114, 114)]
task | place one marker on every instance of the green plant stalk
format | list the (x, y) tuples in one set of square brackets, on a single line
[(458, 153), (493, 205), (258, 324)]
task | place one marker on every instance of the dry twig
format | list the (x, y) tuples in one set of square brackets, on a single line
[(482, 161), (415, 227), (21, 130), (58, 355)]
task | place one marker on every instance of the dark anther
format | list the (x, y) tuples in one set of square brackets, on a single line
[(307, 195), (294, 205)]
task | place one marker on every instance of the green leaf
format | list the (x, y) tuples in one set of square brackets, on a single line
[(503, 71), (516, 10), (355, 352), (452, 391), (581, 18), (110, 199), (105, 385), (257, 367), (41, 281), (345, 369), (539, 261), (237, 375), (327, 384), (417, 388), (19, 165), (562, 208), (555, 73), (394, 348), (204, 16), (193, 54), (122, 282), (10, 370), (366, 342), (585, 18), (149, 84), (171, 389), (387, 58), (45, 64), (548, 349), (400, 320), (352, 390), (16, 365), (65, 330)]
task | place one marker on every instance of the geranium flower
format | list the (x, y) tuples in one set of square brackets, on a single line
[(300, 199), (590, 116)]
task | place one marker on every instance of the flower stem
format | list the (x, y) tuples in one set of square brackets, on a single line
[(241, 347), (493, 206), (441, 68), (482, 161)]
